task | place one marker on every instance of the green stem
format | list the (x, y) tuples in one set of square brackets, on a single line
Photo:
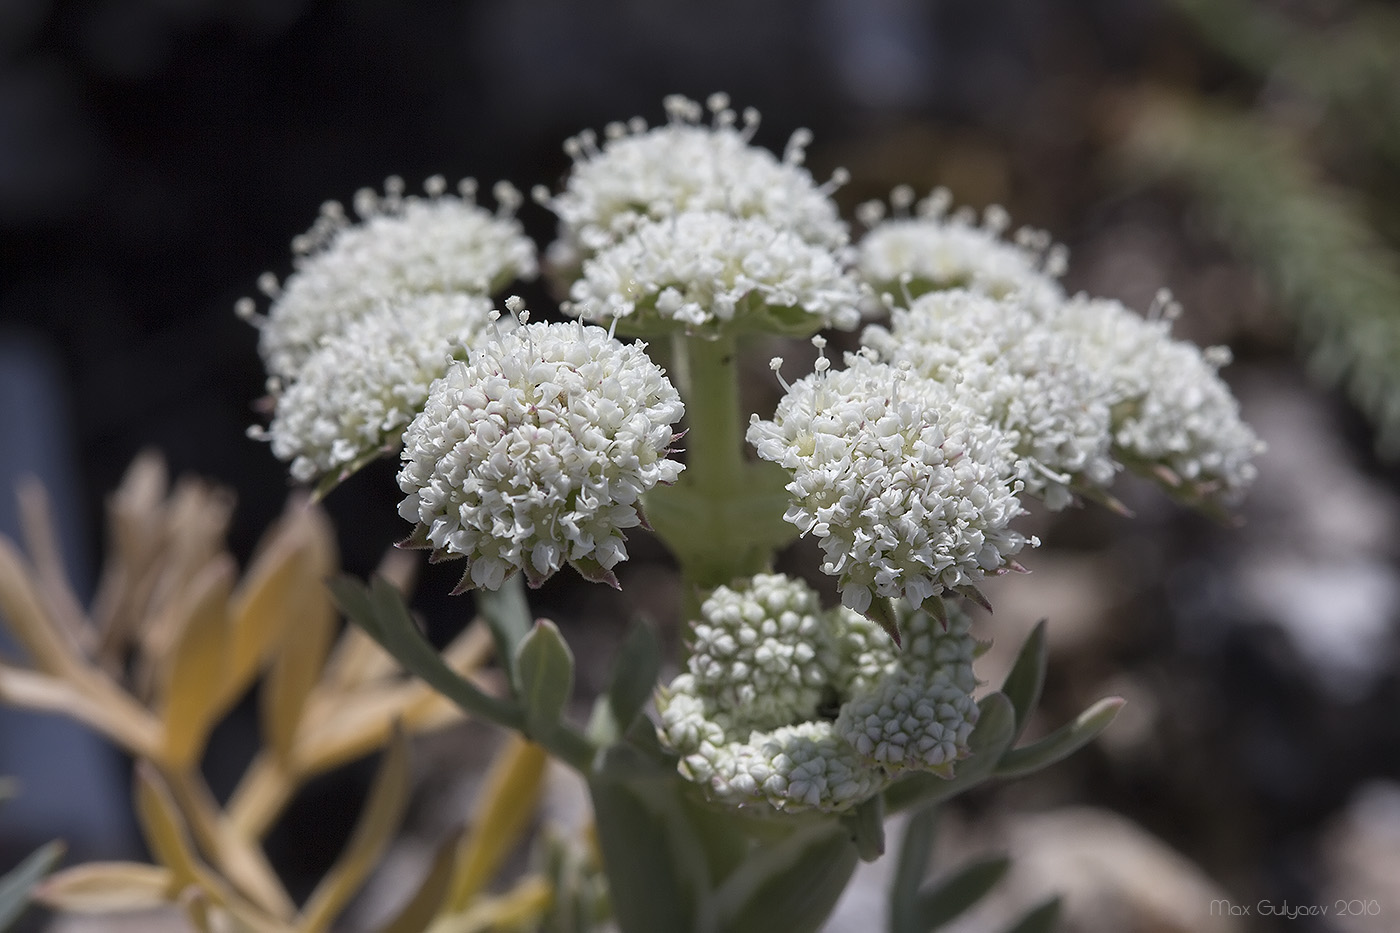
[(714, 444), (724, 518)]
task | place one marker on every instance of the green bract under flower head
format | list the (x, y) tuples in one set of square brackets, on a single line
[(642, 173), (1005, 361), (403, 246), (535, 451), (361, 387), (704, 270), (907, 489), (798, 709)]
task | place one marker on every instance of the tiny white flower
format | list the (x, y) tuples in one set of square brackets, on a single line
[(403, 245), (361, 387), (642, 173), (935, 249), (1003, 359), (535, 451), (907, 490), (708, 269), (1173, 416)]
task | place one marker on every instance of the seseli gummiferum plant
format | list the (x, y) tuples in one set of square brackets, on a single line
[(526, 445)]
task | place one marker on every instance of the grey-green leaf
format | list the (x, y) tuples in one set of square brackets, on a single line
[(634, 674), (790, 885), (1061, 743), (655, 865), (381, 612), (1042, 919), (865, 825), (507, 615), (17, 886), (989, 741), (950, 898), (915, 850), (1024, 683), (546, 670)]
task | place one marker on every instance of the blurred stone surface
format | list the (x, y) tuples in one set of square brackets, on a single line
[(1361, 861), (1113, 876)]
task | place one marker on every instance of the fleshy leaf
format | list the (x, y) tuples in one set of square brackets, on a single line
[(546, 669), (1026, 680), (948, 899), (507, 615), (1061, 743), (655, 864), (789, 885), (382, 614), (1041, 919), (915, 850), (17, 887), (631, 684)]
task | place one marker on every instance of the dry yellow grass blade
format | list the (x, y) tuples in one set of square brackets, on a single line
[(504, 808), (197, 669), (108, 887), (112, 713), (380, 818)]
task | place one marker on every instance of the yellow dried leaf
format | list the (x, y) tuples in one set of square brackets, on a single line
[(198, 665), (294, 558), (110, 712), (380, 818), (22, 606), (422, 906), (503, 809), (108, 887)]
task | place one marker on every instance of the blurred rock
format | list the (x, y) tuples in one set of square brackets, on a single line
[(1318, 551), (1113, 876), (1361, 856)]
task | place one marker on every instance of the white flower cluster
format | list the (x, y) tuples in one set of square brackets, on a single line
[(848, 721), (535, 451), (359, 390), (704, 267), (934, 249), (403, 246), (1028, 379), (907, 489), (689, 226), (643, 173), (1172, 413)]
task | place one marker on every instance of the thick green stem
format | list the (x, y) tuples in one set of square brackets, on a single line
[(723, 519), (714, 444)]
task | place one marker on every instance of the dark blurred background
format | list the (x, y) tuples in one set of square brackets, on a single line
[(157, 155)]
